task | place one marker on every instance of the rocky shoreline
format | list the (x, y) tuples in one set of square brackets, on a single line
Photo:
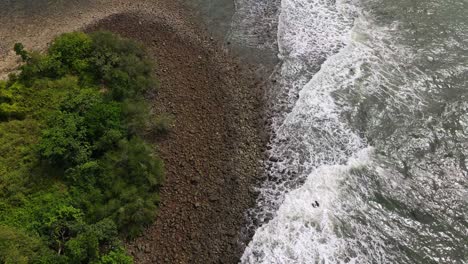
[(212, 155), (214, 151)]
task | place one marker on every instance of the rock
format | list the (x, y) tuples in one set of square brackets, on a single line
[(147, 248), (140, 247), (195, 180), (213, 198), (273, 159), (192, 236)]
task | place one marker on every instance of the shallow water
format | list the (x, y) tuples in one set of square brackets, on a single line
[(37, 7), (247, 28)]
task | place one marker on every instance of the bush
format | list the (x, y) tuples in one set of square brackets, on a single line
[(131, 164), (116, 256), (63, 143), (72, 50), (17, 247), (78, 174), (122, 65), (19, 50)]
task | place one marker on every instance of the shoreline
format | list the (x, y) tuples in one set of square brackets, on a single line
[(212, 155)]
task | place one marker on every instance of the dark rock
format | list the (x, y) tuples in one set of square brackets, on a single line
[(213, 198), (147, 249), (195, 180)]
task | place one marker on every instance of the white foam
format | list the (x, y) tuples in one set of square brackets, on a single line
[(315, 145), (309, 31), (312, 141), (302, 233), (311, 135)]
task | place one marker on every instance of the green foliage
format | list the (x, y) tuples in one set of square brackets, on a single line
[(41, 66), (16, 137), (77, 174), (72, 50), (130, 165), (9, 107), (32, 211), (122, 65), (64, 143), (19, 50), (136, 116), (18, 247), (85, 125), (116, 256)]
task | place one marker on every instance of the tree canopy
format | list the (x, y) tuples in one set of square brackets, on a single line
[(76, 174)]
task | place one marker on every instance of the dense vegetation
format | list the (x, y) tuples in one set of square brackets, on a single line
[(75, 172)]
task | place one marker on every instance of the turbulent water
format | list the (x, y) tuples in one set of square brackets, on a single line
[(373, 127)]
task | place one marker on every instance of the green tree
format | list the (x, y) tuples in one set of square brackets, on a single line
[(78, 174), (116, 256), (72, 50), (17, 247), (122, 65), (64, 143)]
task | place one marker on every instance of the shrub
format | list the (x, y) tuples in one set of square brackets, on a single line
[(17, 247), (64, 143), (72, 50), (116, 256), (78, 174), (19, 50), (122, 65)]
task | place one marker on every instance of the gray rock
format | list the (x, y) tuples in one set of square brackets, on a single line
[(213, 198), (273, 159)]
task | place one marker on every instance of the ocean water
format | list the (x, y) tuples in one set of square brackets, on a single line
[(371, 122)]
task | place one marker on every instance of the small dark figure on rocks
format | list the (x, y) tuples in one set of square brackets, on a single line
[(315, 204)]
